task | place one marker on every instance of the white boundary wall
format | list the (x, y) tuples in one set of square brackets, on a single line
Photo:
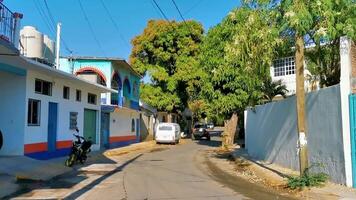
[(271, 132)]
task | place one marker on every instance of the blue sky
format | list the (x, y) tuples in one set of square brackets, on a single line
[(131, 16)]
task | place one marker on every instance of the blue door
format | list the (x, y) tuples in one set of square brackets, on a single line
[(52, 126), (137, 130), (104, 129)]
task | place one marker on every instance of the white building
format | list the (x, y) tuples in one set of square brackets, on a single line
[(40, 107), (284, 69)]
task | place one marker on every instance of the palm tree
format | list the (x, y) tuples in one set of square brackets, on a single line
[(270, 89)]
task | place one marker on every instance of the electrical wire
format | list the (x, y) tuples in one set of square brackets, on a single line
[(159, 8), (114, 23), (180, 14), (90, 27), (54, 25)]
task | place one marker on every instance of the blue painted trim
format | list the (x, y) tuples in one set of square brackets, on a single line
[(45, 155), (352, 104), (134, 105), (121, 144), (12, 69)]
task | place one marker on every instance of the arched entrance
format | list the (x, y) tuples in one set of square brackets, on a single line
[(116, 84)]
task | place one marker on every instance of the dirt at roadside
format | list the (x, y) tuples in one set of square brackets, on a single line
[(143, 147), (275, 177)]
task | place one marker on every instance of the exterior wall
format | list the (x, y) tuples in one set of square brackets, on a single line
[(104, 67), (290, 80), (147, 124), (108, 68), (12, 112), (271, 132), (121, 133), (36, 136), (132, 100)]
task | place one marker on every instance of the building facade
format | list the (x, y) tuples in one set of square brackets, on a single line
[(120, 123), (41, 107)]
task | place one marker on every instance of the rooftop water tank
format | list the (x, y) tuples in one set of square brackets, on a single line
[(48, 51), (32, 44)]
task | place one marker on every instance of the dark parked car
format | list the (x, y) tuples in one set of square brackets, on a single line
[(200, 131), (210, 126)]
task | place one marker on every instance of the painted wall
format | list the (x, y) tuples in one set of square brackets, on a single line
[(120, 127), (271, 132), (36, 136), (108, 68), (12, 115)]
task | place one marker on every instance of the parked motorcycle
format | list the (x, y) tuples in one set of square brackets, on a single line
[(79, 151)]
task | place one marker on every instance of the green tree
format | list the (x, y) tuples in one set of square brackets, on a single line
[(168, 52), (271, 89), (321, 24), (237, 54)]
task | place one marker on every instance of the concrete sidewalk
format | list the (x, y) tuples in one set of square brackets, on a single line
[(14, 168), (275, 175), (22, 167)]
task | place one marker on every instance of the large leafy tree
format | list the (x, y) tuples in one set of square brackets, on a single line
[(321, 24), (237, 54), (168, 52)]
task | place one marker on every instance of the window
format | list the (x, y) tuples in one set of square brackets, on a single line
[(78, 95), (73, 118), (43, 87), (92, 98), (66, 92), (133, 125), (284, 66), (164, 119), (34, 110)]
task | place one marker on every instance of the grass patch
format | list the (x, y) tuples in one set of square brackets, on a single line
[(307, 180)]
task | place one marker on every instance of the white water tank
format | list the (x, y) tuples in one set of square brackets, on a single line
[(32, 42), (48, 49)]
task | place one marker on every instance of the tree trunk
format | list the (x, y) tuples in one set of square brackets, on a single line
[(230, 129)]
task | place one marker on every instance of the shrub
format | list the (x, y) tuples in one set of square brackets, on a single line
[(307, 179)]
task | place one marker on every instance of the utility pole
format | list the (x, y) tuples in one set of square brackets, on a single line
[(302, 133), (58, 40)]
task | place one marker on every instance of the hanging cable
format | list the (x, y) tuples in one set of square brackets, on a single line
[(114, 23), (90, 27), (180, 14), (54, 25), (160, 10)]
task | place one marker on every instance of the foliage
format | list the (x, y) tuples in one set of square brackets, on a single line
[(321, 23), (197, 107), (273, 88), (236, 55), (168, 52), (308, 179)]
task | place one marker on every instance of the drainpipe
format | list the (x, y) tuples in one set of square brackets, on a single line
[(58, 39)]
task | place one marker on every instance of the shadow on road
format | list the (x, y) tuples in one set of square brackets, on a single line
[(70, 179)]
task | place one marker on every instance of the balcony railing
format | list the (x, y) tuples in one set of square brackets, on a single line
[(9, 23)]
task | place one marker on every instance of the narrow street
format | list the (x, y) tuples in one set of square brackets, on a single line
[(169, 172)]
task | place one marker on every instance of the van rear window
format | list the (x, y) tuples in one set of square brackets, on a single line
[(165, 128)]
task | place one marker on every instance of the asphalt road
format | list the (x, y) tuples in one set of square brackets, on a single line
[(171, 172)]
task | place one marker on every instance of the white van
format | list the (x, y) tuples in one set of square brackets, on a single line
[(167, 133)]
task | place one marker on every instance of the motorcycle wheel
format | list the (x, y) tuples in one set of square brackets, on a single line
[(70, 161)]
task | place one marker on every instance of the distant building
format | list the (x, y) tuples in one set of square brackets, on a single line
[(120, 119), (284, 69)]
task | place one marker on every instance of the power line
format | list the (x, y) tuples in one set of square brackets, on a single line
[(54, 25), (180, 14), (115, 24), (155, 8), (159, 8), (193, 7), (90, 27), (44, 18)]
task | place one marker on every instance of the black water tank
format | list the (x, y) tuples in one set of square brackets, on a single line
[(1, 139)]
